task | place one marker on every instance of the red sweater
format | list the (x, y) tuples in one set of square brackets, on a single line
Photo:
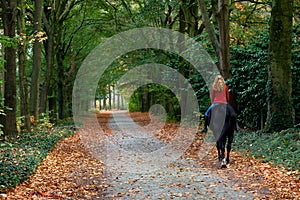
[(220, 97)]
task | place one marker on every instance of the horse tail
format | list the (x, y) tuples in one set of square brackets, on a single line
[(231, 116)]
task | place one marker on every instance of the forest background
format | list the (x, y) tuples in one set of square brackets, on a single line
[(45, 42)]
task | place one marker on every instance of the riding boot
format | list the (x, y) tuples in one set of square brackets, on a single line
[(204, 130)]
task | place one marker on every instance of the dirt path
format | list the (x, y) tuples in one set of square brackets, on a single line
[(72, 172)]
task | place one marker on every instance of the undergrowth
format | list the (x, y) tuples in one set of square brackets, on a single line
[(21, 154), (279, 148)]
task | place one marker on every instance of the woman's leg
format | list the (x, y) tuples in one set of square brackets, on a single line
[(206, 121), (208, 110)]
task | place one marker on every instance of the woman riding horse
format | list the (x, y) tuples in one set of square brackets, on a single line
[(222, 117), (219, 95)]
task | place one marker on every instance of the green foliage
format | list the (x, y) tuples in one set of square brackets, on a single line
[(65, 122), (158, 94), (153, 13), (20, 155), (249, 80), (145, 56), (247, 20), (151, 94), (279, 148), (7, 42), (296, 72)]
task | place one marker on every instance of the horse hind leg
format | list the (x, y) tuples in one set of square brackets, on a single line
[(219, 151), (223, 159), (230, 140)]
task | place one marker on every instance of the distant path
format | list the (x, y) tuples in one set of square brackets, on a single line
[(182, 179)]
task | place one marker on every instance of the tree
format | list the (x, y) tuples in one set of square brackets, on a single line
[(221, 44), (49, 26), (24, 107), (223, 22), (62, 48), (37, 59), (280, 111), (9, 9)]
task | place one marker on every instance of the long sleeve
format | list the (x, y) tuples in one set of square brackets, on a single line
[(212, 95)]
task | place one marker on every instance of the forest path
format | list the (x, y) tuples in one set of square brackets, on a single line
[(72, 170), (129, 177)]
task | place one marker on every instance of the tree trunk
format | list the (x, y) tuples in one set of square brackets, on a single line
[(182, 70), (37, 59), (49, 90), (104, 103), (221, 45), (190, 16), (24, 108), (223, 21), (9, 25), (54, 19), (109, 97), (60, 85), (280, 111), (50, 81), (114, 97), (118, 102)]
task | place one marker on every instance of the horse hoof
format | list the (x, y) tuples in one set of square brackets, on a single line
[(223, 166), (223, 163)]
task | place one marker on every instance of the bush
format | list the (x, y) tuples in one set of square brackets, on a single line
[(250, 75), (249, 67), (20, 155)]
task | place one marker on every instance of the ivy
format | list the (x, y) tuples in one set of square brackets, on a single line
[(249, 80), (283, 147), (20, 155)]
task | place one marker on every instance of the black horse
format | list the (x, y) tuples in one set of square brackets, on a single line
[(222, 122)]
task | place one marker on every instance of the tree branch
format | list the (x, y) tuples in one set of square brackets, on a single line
[(209, 28)]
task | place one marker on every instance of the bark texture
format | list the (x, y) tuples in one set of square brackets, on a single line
[(280, 111)]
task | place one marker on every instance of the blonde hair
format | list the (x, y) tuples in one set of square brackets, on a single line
[(219, 84)]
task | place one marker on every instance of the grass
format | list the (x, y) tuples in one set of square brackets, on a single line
[(279, 148), (20, 155)]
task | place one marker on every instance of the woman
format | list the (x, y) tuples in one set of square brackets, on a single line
[(219, 94)]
